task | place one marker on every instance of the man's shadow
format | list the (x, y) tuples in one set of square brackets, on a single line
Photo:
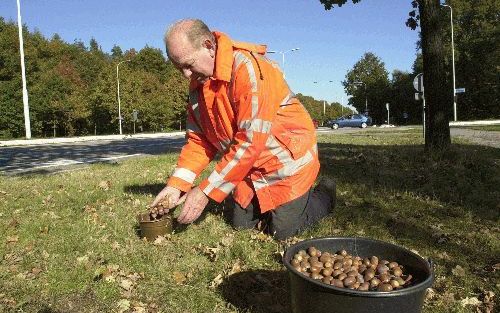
[(257, 291)]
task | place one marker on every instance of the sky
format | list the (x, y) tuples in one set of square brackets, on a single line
[(329, 42)]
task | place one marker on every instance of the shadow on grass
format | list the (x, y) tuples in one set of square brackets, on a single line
[(259, 291), (459, 184), (466, 175), (146, 189)]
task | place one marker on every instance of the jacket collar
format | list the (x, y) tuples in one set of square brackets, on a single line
[(223, 57)]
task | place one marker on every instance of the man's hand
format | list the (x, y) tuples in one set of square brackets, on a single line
[(169, 197), (196, 201)]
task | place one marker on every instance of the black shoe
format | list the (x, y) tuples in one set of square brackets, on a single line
[(328, 186)]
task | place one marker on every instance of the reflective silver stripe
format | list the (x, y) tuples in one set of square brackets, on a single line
[(287, 170), (216, 180), (239, 58), (274, 147), (237, 156), (260, 183), (227, 187), (257, 125), (184, 174), (287, 98)]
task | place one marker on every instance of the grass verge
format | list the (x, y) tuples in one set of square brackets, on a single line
[(69, 240)]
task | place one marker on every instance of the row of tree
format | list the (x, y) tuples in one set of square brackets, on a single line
[(72, 88)]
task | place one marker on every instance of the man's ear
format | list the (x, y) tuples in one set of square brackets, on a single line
[(210, 46)]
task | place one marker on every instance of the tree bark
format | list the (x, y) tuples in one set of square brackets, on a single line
[(437, 135)]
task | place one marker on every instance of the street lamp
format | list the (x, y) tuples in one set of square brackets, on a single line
[(283, 56), (27, 124), (453, 62), (118, 92), (324, 101), (358, 83)]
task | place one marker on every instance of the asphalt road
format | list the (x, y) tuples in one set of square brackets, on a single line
[(51, 158)]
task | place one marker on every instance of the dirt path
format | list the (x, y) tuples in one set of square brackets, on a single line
[(481, 137)]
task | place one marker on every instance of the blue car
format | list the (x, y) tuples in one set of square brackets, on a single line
[(355, 120)]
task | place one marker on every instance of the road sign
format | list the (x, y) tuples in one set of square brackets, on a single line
[(134, 116), (387, 106), (418, 82), (460, 90)]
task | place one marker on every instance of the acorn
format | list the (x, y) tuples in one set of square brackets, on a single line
[(385, 287)]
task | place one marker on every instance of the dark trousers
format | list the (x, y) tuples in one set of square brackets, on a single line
[(284, 221)]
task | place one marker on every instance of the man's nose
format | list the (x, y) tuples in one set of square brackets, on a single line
[(187, 73)]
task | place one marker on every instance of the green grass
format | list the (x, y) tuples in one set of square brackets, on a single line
[(79, 229)]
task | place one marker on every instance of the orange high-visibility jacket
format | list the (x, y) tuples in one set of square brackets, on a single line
[(247, 113)]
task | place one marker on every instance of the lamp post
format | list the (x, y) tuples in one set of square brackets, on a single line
[(324, 101), (358, 83), (453, 63), (283, 56), (27, 124), (118, 93)]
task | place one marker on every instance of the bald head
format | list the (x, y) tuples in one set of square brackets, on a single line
[(191, 47), (189, 32)]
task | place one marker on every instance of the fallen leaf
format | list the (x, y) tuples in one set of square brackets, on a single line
[(12, 239), (82, 259), (126, 284), (36, 270), (105, 185), (45, 254), (470, 301), (236, 268), (123, 305), (216, 281), (458, 271), (444, 256), (179, 278), (115, 245)]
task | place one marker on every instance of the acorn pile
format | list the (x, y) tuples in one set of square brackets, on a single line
[(160, 210), (346, 271)]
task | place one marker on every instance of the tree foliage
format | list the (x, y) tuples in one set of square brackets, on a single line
[(367, 82), (72, 88)]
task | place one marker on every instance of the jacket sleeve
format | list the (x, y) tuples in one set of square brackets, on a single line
[(195, 155), (254, 117)]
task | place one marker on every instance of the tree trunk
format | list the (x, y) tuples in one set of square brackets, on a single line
[(437, 135)]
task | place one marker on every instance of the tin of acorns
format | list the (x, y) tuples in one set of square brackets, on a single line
[(157, 222), (344, 270)]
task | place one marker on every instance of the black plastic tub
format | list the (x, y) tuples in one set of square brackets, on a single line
[(309, 295)]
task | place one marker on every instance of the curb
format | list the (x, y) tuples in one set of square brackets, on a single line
[(34, 142)]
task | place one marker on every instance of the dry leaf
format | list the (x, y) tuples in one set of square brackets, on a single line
[(179, 278), (123, 305), (82, 259), (216, 281), (35, 271), (458, 271), (211, 253), (12, 239), (115, 245), (126, 284), (470, 301), (236, 268), (105, 185)]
